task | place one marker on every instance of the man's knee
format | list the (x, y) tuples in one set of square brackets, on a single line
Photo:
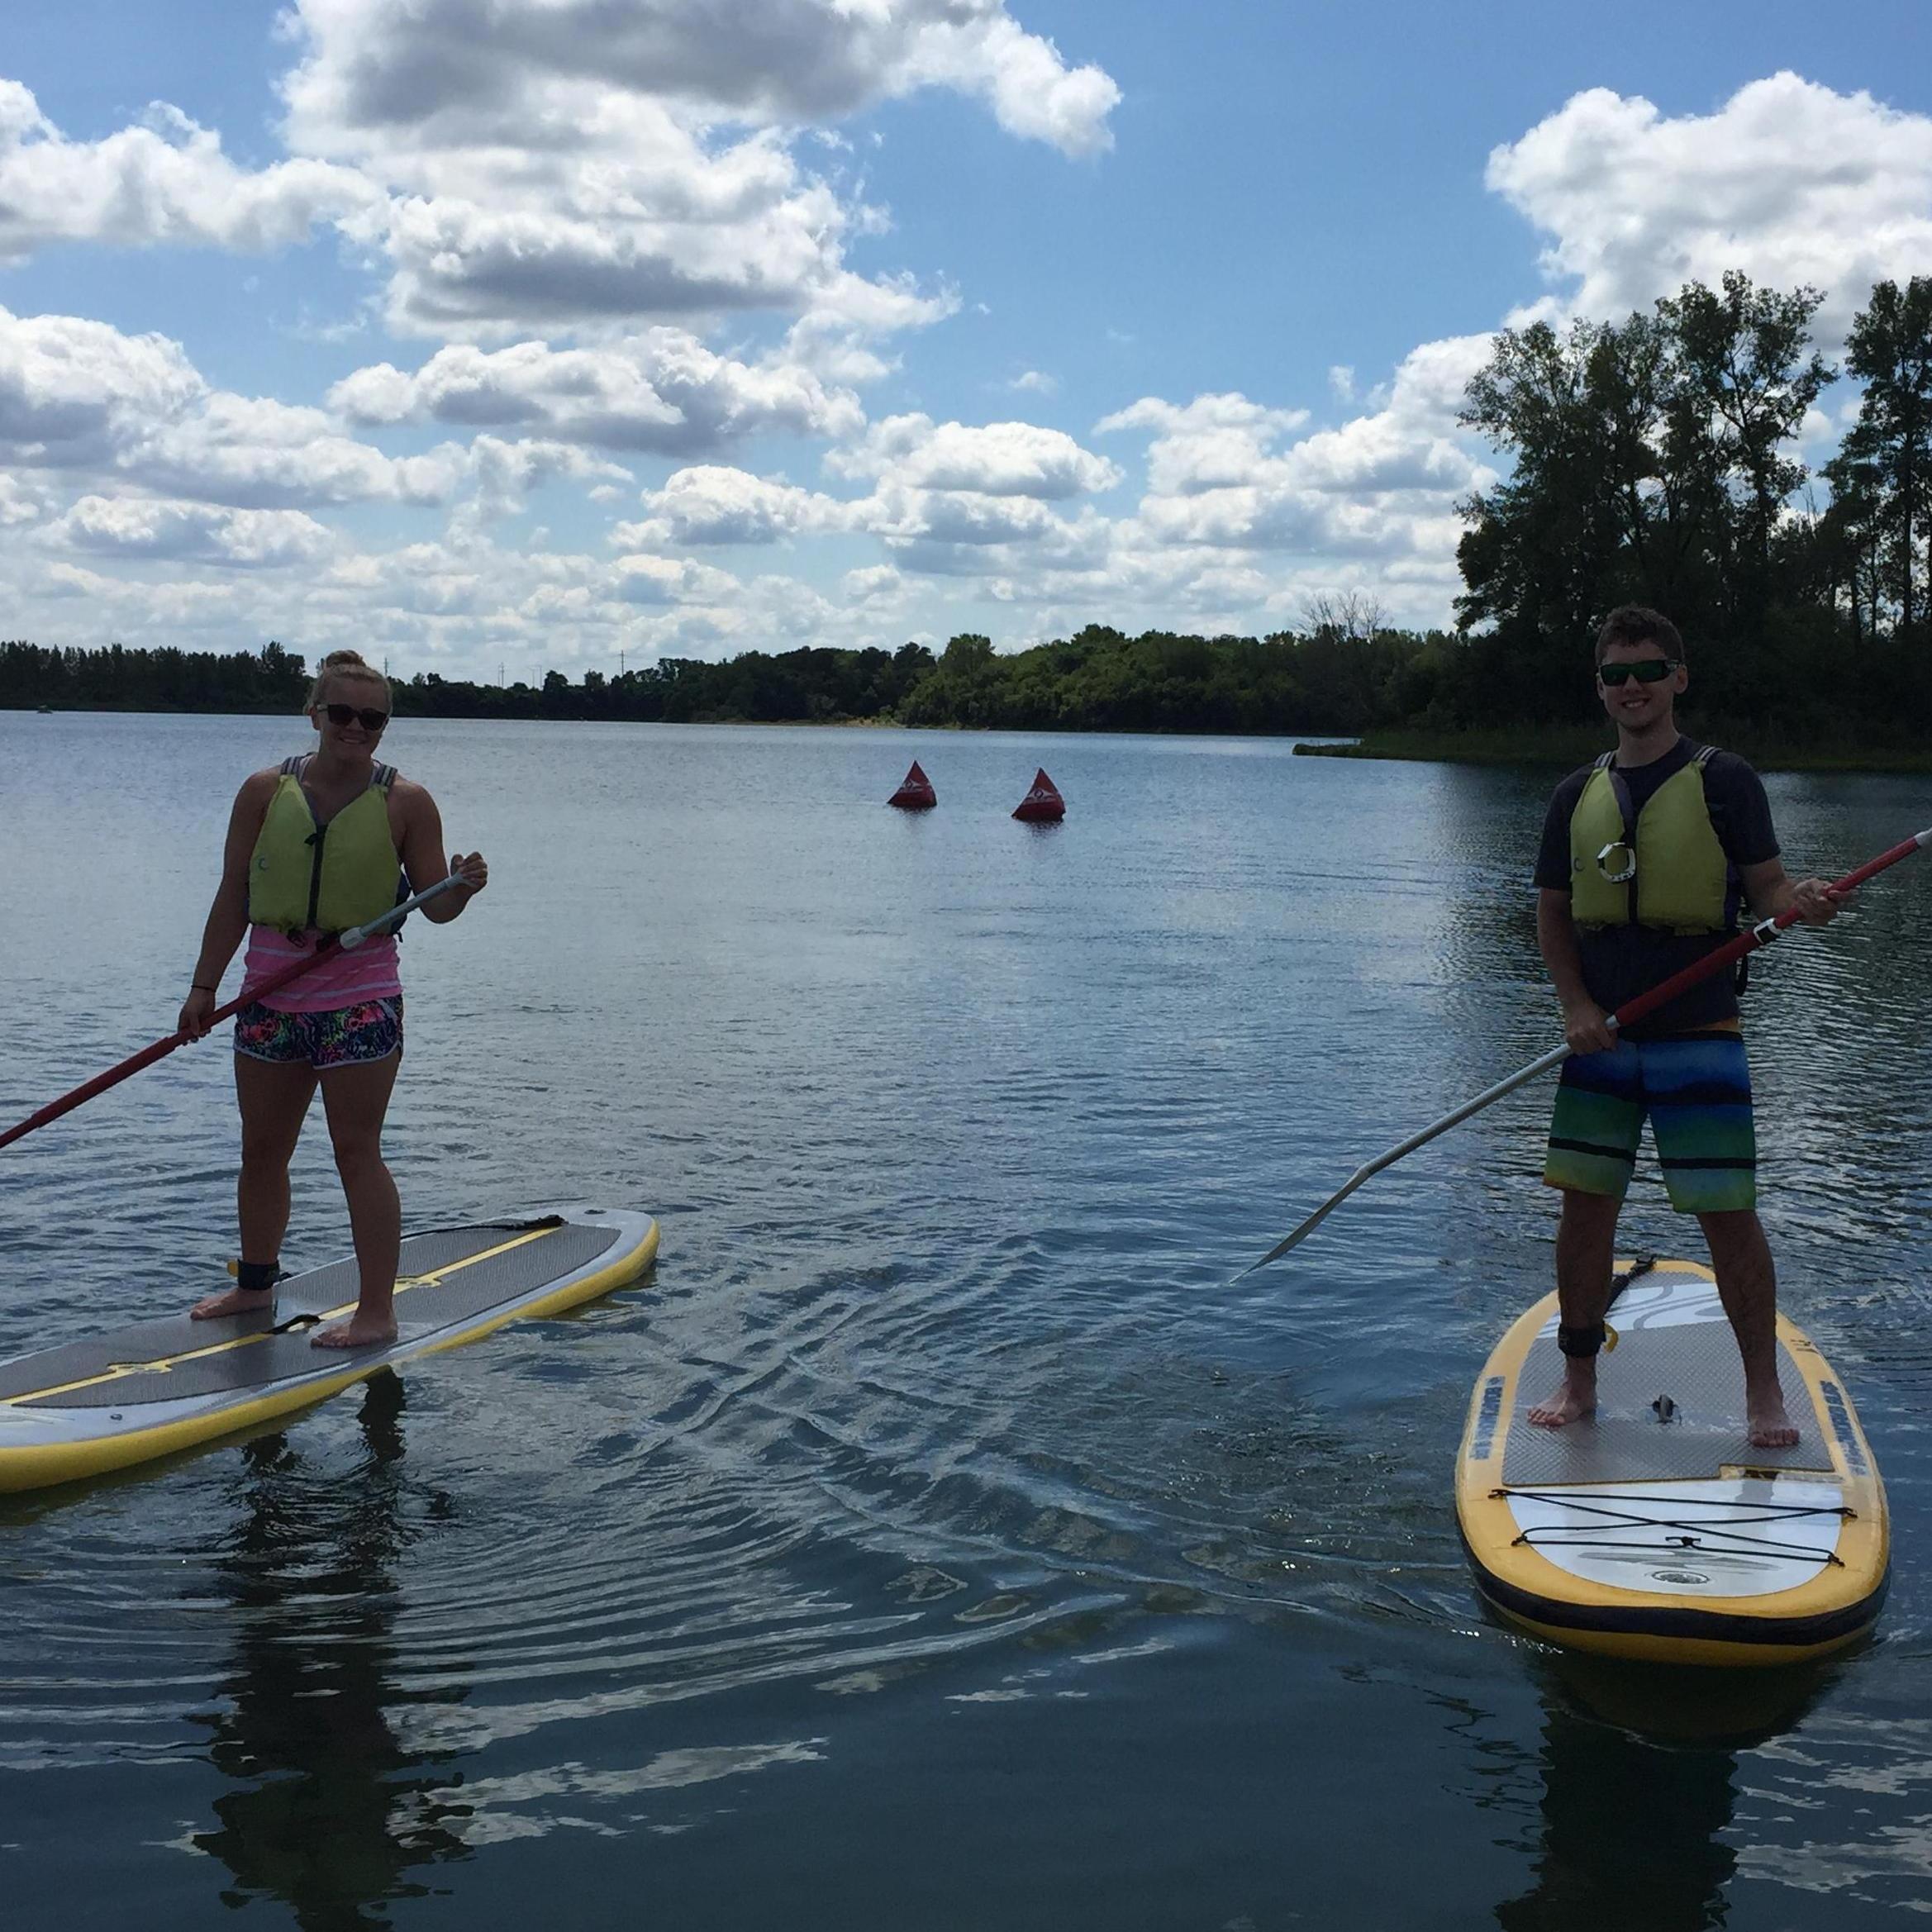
[(1740, 1256), (1732, 1227), (1588, 1213)]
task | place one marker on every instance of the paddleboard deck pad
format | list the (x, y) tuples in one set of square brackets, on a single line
[(1653, 1529), (109, 1400)]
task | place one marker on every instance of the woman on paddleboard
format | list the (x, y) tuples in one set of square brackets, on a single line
[(316, 846)]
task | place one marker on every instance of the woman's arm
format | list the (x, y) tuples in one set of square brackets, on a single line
[(228, 916), (423, 858)]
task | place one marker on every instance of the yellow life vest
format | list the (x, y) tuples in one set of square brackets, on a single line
[(304, 877), (1668, 870)]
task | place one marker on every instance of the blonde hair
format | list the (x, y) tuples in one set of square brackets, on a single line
[(346, 663)]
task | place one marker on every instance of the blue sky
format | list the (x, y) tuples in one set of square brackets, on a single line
[(546, 333)]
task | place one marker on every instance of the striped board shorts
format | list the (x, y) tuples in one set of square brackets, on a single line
[(1695, 1087)]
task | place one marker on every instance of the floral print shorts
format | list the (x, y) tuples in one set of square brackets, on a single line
[(345, 1036)]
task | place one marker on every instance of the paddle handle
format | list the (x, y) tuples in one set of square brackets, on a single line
[(127, 1068), (1753, 937)]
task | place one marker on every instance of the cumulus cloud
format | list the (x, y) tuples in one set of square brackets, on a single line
[(522, 164), (1382, 485), (1788, 180), (994, 460), (876, 583), (459, 72), (81, 397), (712, 504), (146, 528), (82, 402), (661, 391), (167, 181), (1212, 443), (575, 164)]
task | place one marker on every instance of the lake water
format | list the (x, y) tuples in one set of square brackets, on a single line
[(937, 1540)]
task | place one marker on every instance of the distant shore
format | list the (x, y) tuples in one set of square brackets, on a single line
[(1571, 748), (1566, 748)]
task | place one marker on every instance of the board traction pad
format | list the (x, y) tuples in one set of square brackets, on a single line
[(1695, 1364), (195, 1363)]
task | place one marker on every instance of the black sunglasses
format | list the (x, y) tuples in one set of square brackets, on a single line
[(1645, 671), (345, 714)]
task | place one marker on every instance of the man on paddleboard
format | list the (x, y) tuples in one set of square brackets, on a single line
[(1646, 857), (317, 845)]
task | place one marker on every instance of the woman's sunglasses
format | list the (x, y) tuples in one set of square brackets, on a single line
[(1645, 671), (341, 714)]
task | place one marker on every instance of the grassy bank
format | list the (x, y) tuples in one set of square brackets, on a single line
[(1570, 747)]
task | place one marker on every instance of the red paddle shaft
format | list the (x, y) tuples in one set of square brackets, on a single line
[(162, 1048), (1760, 935)]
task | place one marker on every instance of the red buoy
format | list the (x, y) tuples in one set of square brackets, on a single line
[(917, 794), (1043, 802)]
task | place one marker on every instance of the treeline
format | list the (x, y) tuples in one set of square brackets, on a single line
[(165, 680), (1346, 676), (1655, 461)]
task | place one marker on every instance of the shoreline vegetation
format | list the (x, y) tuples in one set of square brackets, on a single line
[(1355, 691), (1652, 461)]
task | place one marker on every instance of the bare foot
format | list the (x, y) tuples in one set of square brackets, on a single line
[(359, 1331), (1575, 1396), (232, 1301), (1771, 1427)]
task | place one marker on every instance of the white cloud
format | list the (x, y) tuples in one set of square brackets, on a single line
[(876, 583), (998, 459), (82, 398), (711, 504), (1788, 180), (1382, 486), (544, 164), (165, 181), (467, 72), (661, 391), (86, 403), (574, 163), (149, 529), (18, 504), (1214, 442)]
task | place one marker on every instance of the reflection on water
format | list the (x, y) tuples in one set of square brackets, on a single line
[(326, 1808), (937, 1490), (1640, 1769)]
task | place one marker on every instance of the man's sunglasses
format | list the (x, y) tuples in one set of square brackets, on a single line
[(1645, 671), (340, 715)]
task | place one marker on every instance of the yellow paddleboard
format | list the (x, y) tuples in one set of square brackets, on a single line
[(109, 1401), (1653, 1529)]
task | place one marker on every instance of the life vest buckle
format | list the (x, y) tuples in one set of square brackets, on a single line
[(1618, 862)]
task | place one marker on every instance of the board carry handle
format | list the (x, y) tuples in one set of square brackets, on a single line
[(127, 1068)]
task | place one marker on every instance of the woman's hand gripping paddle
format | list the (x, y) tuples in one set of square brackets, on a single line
[(342, 942), (1660, 995)]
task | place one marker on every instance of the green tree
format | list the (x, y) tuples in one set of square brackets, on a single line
[(1884, 467), (1743, 384)]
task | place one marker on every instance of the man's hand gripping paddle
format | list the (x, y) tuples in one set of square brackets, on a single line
[(1660, 995), (342, 942)]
